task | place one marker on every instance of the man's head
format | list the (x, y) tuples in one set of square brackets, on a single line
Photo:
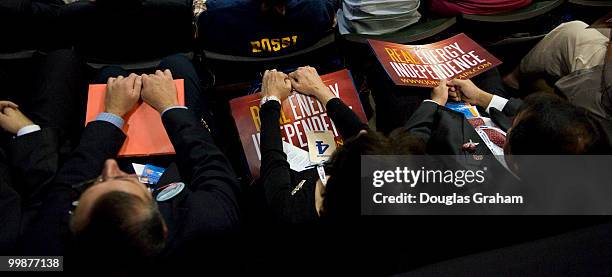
[(118, 216), (342, 193), (550, 125)]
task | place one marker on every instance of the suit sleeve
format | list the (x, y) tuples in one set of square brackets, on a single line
[(275, 172), (34, 161), (344, 118), (202, 166), (421, 123), (100, 141), (512, 107)]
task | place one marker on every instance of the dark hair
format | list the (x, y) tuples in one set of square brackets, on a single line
[(548, 124), (119, 233), (343, 188), (272, 7)]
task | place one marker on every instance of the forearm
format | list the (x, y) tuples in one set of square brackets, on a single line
[(275, 170), (100, 141), (422, 121), (34, 160), (344, 118), (201, 164)]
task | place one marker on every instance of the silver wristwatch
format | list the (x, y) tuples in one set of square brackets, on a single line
[(268, 98)]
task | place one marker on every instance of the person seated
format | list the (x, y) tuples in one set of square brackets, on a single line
[(377, 17), (164, 27), (29, 25), (565, 130), (36, 136), (264, 28), (573, 58), (117, 218), (486, 7), (301, 197)]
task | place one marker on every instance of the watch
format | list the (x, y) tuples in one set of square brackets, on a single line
[(268, 98)]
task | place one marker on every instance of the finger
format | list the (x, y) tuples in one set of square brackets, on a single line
[(138, 85), (120, 77), (456, 82), (442, 83), (452, 94), (8, 104), (292, 75), (294, 84), (159, 73), (168, 74), (110, 81)]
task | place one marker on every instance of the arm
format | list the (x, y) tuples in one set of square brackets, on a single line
[(275, 171), (344, 118), (422, 121), (201, 164), (34, 159), (101, 140), (306, 80)]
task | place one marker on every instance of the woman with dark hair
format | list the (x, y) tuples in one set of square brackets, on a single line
[(301, 197), (263, 27)]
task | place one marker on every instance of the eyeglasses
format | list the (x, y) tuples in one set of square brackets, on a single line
[(82, 186), (79, 188)]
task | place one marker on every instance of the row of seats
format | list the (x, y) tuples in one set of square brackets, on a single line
[(174, 19)]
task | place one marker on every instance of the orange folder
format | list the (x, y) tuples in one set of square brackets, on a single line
[(144, 129)]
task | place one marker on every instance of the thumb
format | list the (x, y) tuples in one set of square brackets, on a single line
[(294, 84), (442, 83), (456, 82)]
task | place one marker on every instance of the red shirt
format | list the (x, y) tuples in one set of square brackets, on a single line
[(455, 7)]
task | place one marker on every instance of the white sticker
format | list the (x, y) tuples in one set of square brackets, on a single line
[(321, 145), (170, 191)]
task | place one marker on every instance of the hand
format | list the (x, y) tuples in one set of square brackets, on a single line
[(276, 83), (11, 119), (158, 90), (465, 90), (306, 80), (439, 94), (122, 94)]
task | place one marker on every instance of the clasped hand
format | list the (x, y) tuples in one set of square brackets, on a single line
[(157, 90), (304, 80)]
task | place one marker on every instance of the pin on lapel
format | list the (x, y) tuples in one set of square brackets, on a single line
[(469, 146)]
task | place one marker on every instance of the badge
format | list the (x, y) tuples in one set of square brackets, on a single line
[(469, 146), (322, 176), (170, 191), (321, 145)]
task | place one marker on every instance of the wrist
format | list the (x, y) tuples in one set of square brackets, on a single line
[(439, 101), (165, 107), (115, 112), (484, 99), (324, 95)]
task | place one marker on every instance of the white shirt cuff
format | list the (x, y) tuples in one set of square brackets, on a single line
[(429, 100), (28, 129), (498, 103), (173, 107)]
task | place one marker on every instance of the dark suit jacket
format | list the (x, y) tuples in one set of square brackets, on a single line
[(207, 206), (29, 166), (445, 131)]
